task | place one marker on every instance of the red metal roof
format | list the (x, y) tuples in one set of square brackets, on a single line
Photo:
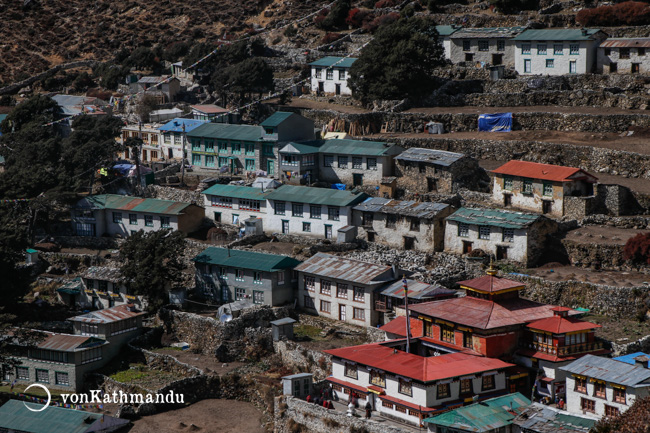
[(491, 284), (562, 325), (342, 268), (485, 314), (451, 346), (424, 369), (350, 385), (398, 326), (535, 170), (109, 315)]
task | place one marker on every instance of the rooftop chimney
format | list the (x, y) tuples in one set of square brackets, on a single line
[(395, 275), (641, 361)]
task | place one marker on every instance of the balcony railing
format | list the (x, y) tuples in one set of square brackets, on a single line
[(380, 306), (564, 350)]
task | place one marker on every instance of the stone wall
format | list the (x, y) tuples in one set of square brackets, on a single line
[(298, 357), (608, 256), (176, 194)]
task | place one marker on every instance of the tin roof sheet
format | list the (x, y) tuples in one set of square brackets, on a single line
[(536, 170), (245, 259), (209, 109), (404, 208), (68, 342), (491, 284), (416, 290), (629, 358), (447, 30), (348, 146), (488, 32), (398, 326), (135, 204), (313, 195), (626, 43), (301, 148), (108, 315), (342, 268), (237, 191), (431, 156), (103, 273), (562, 325), (493, 217), (340, 62), (543, 419), (276, 118), (71, 287), (226, 131), (557, 35), (176, 125), (610, 370)]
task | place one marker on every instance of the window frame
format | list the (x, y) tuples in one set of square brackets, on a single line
[(148, 220), (550, 63), (525, 49), (358, 290), (279, 207), (541, 49), (488, 382), (558, 49), (325, 306), (482, 230), (405, 386), (351, 370), (463, 230), (309, 283), (325, 287), (443, 390), (359, 313), (306, 227), (507, 235), (117, 217)]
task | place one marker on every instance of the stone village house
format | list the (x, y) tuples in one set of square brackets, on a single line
[(172, 136), (329, 75), (507, 235), (409, 225), (624, 56), (493, 46)]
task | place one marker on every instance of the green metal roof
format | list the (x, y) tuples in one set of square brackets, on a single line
[(227, 132), (341, 62), (556, 35), (246, 259), (15, 416), (302, 148), (575, 420), (347, 146), (31, 250), (313, 195), (485, 416), (276, 118), (72, 287), (135, 204), (237, 191), (446, 30), (493, 217)]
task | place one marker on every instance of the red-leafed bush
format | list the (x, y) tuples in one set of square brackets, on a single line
[(637, 249), (380, 21), (629, 13), (385, 4), (320, 17), (358, 17), (330, 37)]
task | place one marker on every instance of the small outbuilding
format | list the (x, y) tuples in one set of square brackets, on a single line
[(282, 328), (298, 385)]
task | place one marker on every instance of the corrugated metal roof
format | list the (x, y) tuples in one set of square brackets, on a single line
[(276, 118), (341, 62), (488, 32), (237, 191), (301, 148), (536, 170), (486, 416), (16, 415), (629, 358), (491, 284), (176, 125), (71, 287), (103, 273), (562, 325), (610, 370), (416, 289), (209, 108), (154, 79), (342, 268), (69, 343), (431, 156), (347, 146), (447, 30), (108, 315), (557, 35), (543, 419), (245, 259), (398, 326), (135, 204), (493, 217), (228, 132), (626, 43), (313, 195), (399, 207)]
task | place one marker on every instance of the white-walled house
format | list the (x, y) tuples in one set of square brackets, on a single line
[(624, 56), (149, 133), (557, 51), (603, 386), (493, 45), (172, 135), (415, 385), (232, 204), (330, 75), (508, 235), (444, 37)]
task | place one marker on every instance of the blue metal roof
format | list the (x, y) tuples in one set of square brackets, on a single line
[(176, 125), (629, 359), (340, 62)]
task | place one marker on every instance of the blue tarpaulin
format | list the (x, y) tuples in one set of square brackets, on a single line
[(496, 122), (340, 186)]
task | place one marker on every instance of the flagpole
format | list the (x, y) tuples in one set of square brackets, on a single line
[(408, 319)]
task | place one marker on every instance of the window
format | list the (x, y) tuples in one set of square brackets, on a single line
[(314, 212), (343, 162), (103, 286), (223, 161), (217, 201), (309, 303), (328, 160), (483, 45), (333, 213), (308, 160), (574, 49), (415, 224), (236, 148), (501, 45), (599, 389), (466, 45), (619, 395), (341, 74), (117, 217), (399, 408), (541, 49), (547, 189), (463, 230), (267, 149), (525, 48), (508, 235), (443, 390), (391, 220), (279, 207), (250, 165), (488, 382), (167, 139), (446, 333), (318, 72), (608, 51), (209, 146), (357, 162), (467, 339), (196, 159), (310, 283), (484, 232), (22, 373), (528, 187), (222, 146), (280, 277), (358, 313), (258, 297), (465, 386), (404, 387), (558, 49), (148, 220), (326, 287), (196, 145), (329, 75), (351, 370), (239, 275), (624, 53), (290, 160), (240, 293), (61, 378), (508, 183), (253, 205), (371, 163), (359, 294), (250, 149), (306, 227), (587, 405), (42, 376), (325, 306), (209, 160), (428, 329), (164, 222), (378, 378), (296, 210), (257, 277), (133, 219), (527, 66), (342, 291), (640, 52), (223, 273), (611, 411), (550, 63), (581, 384)]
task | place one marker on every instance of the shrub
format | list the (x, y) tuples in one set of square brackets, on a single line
[(628, 13), (385, 4), (359, 17), (330, 37), (637, 249), (290, 31)]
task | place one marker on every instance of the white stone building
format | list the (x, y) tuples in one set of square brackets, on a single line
[(557, 51), (624, 56), (150, 135), (173, 134), (484, 46), (329, 75), (232, 204), (444, 37)]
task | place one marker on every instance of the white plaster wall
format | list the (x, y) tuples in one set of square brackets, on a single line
[(532, 202), (273, 223), (584, 59), (330, 85), (517, 250), (227, 213), (125, 227), (623, 66)]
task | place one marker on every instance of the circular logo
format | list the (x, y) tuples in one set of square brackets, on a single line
[(49, 397)]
